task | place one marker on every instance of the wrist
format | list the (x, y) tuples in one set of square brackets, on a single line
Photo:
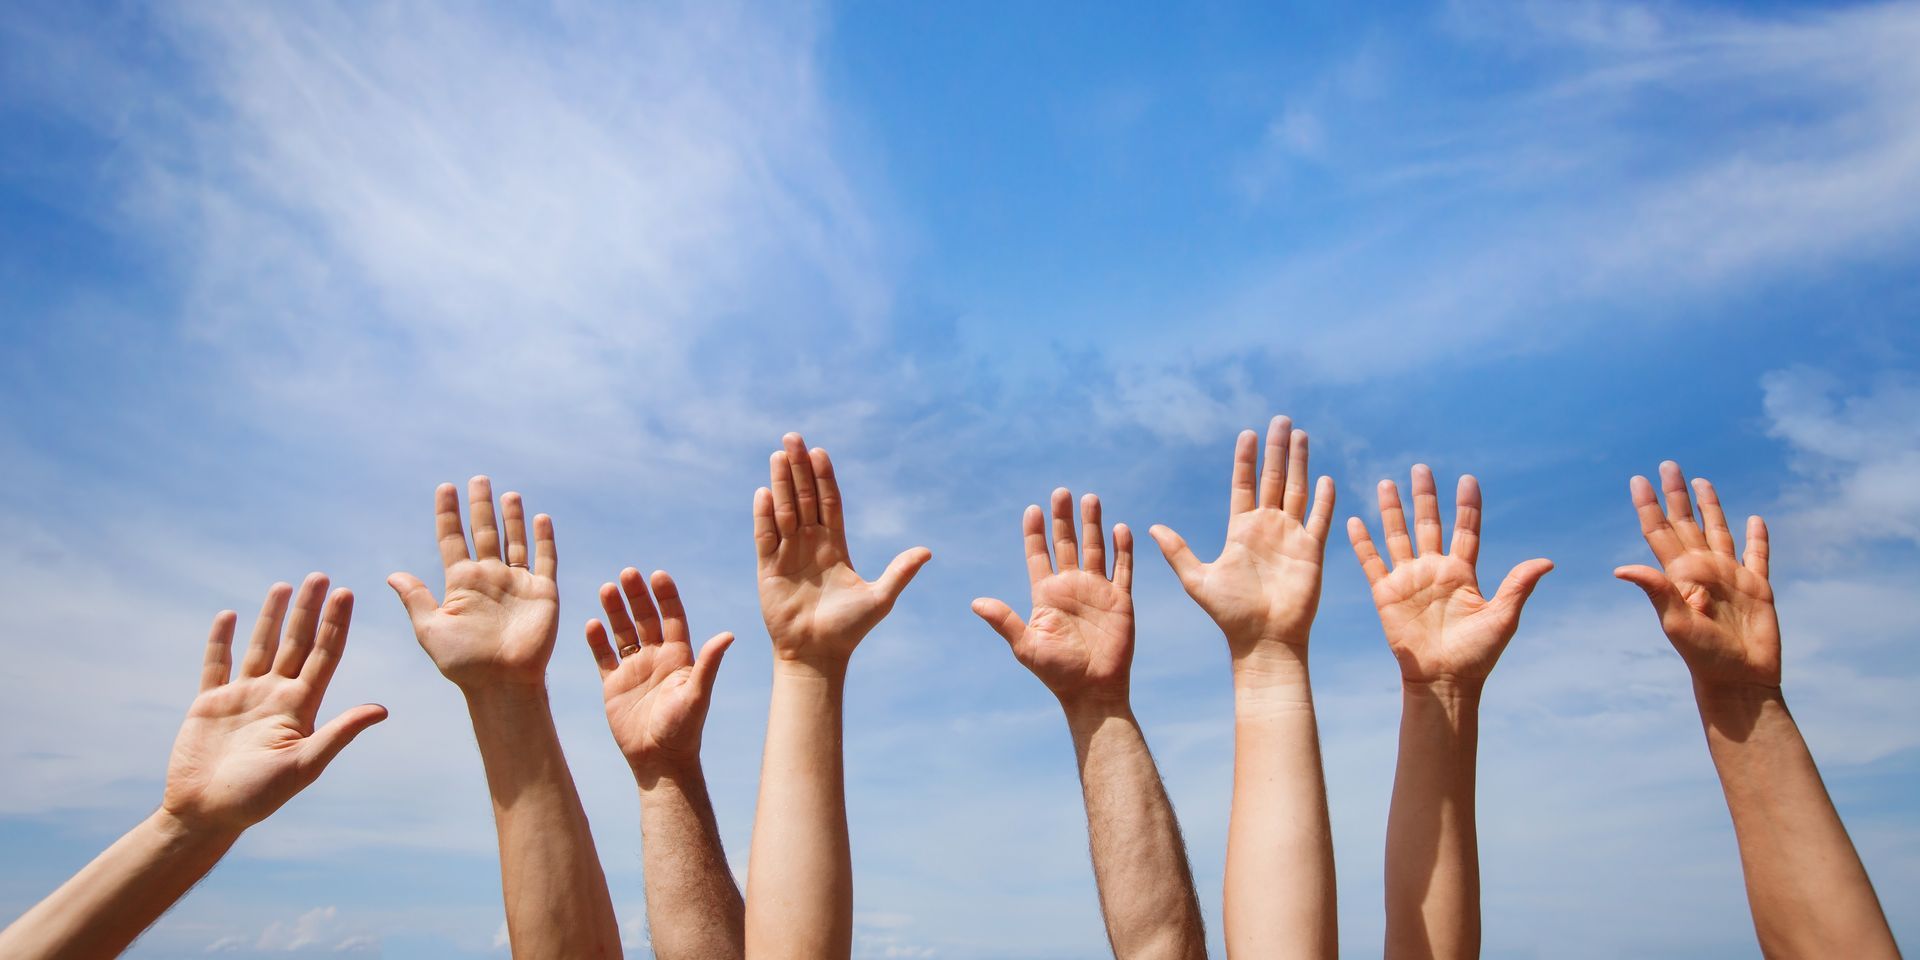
[(653, 772), (506, 701), (1708, 692), (1094, 706), (1271, 668), (177, 831), (828, 668), (1464, 690)]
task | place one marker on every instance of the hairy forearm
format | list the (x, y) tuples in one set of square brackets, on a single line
[(1139, 862), (1809, 892), (556, 894), (800, 873), (118, 895), (1280, 877), (1433, 859), (694, 909)]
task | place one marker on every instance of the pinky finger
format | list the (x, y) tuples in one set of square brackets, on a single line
[(1370, 562), (546, 558), (1757, 548), (217, 668), (1123, 557), (602, 650)]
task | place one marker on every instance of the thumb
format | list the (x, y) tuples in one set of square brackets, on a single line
[(900, 572), (1179, 556), (1658, 588), (1520, 581), (413, 594), (1001, 618), (327, 742), (706, 667)]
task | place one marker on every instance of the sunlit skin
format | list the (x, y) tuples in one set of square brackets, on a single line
[(1078, 640), (248, 745), (491, 634), (657, 695), (817, 610), (1447, 635), (1808, 890), (1262, 592)]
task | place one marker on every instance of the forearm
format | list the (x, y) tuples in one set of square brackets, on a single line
[(694, 909), (1280, 877), (800, 873), (1139, 862), (118, 895), (556, 895), (1809, 893), (1433, 860)]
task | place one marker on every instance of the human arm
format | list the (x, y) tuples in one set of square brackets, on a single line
[(247, 746), (1078, 640), (1809, 893), (492, 634)]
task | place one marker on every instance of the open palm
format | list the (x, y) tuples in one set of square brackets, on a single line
[(1437, 622), (1715, 607), (249, 744), (1264, 587), (814, 604), (656, 693), (1079, 637), (499, 617)]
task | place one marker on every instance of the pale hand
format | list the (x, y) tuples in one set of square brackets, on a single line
[(1716, 608), (1264, 588), (656, 693), (498, 620), (249, 744), (1079, 638), (816, 607), (1437, 622)]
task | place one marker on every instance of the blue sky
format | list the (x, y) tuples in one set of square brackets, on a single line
[(270, 273)]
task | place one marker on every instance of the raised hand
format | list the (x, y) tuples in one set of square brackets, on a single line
[(248, 743), (816, 607), (498, 619), (1715, 607), (1437, 622), (1264, 587), (656, 692), (1079, 638)]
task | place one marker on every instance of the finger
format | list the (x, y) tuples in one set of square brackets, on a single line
[(1320, 518), (900, 572), (1426, 511), (1033, 533), (1756, 559), (329, 644), (1093, 545), (413, 595), (1179, 556), (1273, 469), (486, 535), (766, 536), (513, 514), (1066, 552), (546, 555), (832, 511), (706, 667), (673, 613), (216, 667), (446, 526), (1002, 619), (1370, 562), (1245, 452), (302, 621), (1714, 519), (646, 618), (1393, 521), (1123, 557), (614, 608), (1519, 584), (1667, 602), (603, 655), (786, 517), (327, 742), (806, 494), (266, 632), (1653, 523), (1466, 521), (1294, 503), (1673, 485)]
